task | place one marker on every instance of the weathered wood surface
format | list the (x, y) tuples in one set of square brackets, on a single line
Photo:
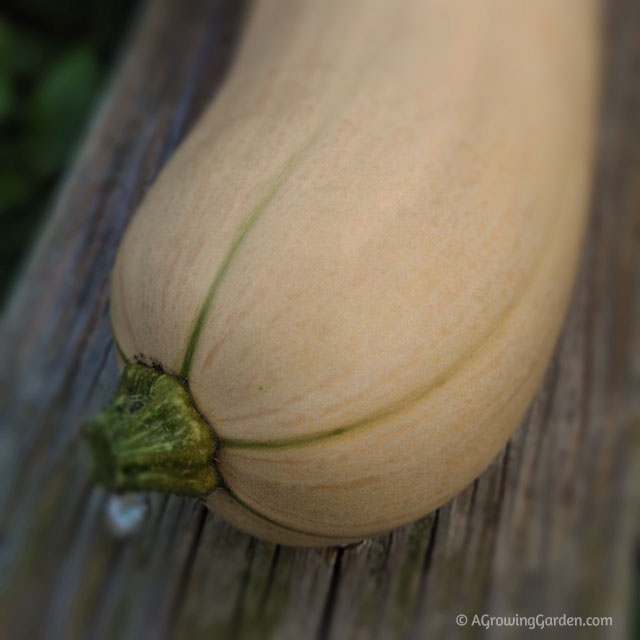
[(550, 528)]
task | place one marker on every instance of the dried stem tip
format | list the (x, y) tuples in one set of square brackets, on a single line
[(151, 438)]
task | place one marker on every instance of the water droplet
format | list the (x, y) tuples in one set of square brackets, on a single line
[(126, 513)]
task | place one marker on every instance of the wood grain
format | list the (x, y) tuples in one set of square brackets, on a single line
[(552, 527)]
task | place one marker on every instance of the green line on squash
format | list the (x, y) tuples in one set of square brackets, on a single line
[(403, 403), (239, 238), (296, 441), (121, 353)]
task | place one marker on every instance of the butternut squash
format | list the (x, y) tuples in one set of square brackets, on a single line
[(336, 302)]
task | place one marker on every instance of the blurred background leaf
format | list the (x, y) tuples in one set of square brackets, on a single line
[(62, 97), (54, 57)]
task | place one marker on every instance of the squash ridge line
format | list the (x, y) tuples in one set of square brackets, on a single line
[(236, 243), (119, 349), (407, 401), (234, 496)]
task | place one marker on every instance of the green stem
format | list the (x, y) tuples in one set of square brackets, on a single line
[(152, 438)]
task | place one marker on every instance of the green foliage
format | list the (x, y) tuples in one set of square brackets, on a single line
[(53, 58), (61, 99)]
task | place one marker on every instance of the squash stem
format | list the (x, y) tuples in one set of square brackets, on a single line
[(152, 438)]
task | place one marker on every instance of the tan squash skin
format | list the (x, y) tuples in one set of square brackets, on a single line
[(378, 222)]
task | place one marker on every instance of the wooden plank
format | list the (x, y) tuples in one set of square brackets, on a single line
[(550, 528)]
